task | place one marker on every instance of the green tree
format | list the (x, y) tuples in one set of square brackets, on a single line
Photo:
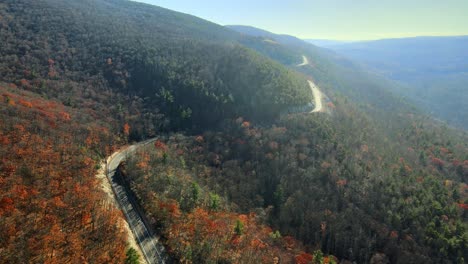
[(239, 229), (132, 257), (195, 193), (456, 195), (318, 257), (214, 201), (165, 157)]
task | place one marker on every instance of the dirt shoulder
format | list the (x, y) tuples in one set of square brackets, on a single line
[(107, 188)]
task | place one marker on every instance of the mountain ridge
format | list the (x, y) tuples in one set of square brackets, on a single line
[(231, 178)]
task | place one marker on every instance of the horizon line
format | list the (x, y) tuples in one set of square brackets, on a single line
[(376, 39), (352, 40)]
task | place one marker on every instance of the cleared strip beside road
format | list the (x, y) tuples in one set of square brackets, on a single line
[(152, 248)]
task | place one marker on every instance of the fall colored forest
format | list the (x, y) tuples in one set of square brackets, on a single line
[(311, 186), (232, 177), (51, 208)]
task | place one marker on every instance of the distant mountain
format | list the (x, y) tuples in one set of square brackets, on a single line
[(403, 58), (252, 31), (232, 178), (326, 43), (433, 69)]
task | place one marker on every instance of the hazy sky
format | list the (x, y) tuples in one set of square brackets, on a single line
[(334, 19)]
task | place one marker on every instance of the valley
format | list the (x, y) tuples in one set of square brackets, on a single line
[(432, 71), (220, 147)]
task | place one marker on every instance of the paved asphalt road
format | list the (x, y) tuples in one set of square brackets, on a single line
[(318, 97), (152, 249), (305, 61)]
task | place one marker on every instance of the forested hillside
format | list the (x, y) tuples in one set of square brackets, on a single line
[(194, 74), (371, 113), (332, 72), (342, 189), (83, 77), (231, 179), (50, 208)]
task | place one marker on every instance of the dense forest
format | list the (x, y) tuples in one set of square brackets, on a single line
[(199, 225), (319, 182), (232, 178), (50, 208), (194, 80)]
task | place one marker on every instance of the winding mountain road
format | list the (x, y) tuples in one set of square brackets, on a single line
[(318, 98), (318, 95), (305, 61), (152, 248)]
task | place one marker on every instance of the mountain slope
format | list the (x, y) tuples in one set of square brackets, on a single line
[(80, 78), (51, 205), (244, 183), (371, 113), (128, 50), (332, 70)]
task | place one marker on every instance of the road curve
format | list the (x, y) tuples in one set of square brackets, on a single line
[(152, 248), (305, 61), (318, 97)]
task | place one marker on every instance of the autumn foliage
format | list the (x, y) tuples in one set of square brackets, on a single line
[(304, 258), (197, 224), (51, 209), (126, 129), (160, 145)]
